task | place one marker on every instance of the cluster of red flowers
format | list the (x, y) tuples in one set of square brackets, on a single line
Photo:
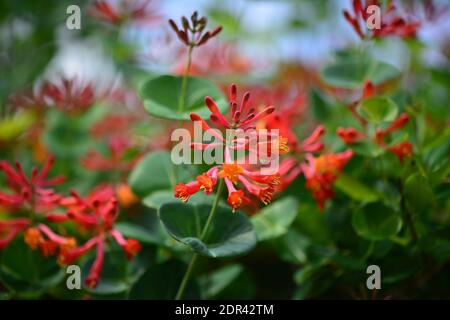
[(95, 213), (320, 172), (254, 182), (216, 59), (391, 23), (64, 94), (352, 135), (121, 11)]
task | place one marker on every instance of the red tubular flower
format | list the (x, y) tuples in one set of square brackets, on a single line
[(402, 150), (97, 213), (397, 124), (131, 247), (47, 241), (368, 90), (241, 115), (95, 272), (321, 172), (312, 143), (185, 191), (349, 135)]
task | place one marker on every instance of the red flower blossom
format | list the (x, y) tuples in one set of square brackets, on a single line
[(118, 12), (322, 172), (96, 213), (391, 22), (241, 116), (260, 185), (32, 193), (285, 118), (64, 94), (47, 241), (402, 150), (349, 135)]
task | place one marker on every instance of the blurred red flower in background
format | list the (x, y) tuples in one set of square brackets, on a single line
[(96, 213), (391, 22)]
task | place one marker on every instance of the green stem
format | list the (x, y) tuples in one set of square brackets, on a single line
[(184, 81), (213, 211), (407, 216), (211, 216)]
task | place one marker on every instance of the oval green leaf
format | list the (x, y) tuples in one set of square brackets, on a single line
[(378, 110), (155, 172), (376, 221), (274, 220), (355, 189), (352, 73), (230, 234), (161, 96)]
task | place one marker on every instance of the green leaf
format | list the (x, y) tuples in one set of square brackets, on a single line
[(147, 228), (292, 247), (351, 73), (26, 272), (154, 172), (67, 136), (161, 97), (378, 110), (346, 74), (137, 232), (217, 281), (418, 193), (274, 220), (376, 221), (230, 234), (118, 274), (355, 189), (161, 281), (320, 107), (158, 198)]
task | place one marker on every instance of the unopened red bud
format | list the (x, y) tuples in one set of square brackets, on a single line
[(216, 31), (185, 23), (174, 26), (194, 17), (204, 39), (233, 92), (368, 89), (183, 37), (203, 21)]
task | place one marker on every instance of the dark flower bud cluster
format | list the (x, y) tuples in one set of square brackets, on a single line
[(192, 32)]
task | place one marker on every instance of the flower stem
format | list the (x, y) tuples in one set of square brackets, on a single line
[(211, 216), (184, 80)]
